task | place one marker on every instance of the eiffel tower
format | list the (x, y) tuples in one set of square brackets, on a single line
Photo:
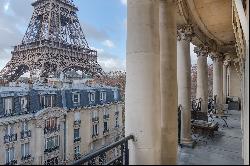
[(53, 44)]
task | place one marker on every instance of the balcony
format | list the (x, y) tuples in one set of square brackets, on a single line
[(12, 162), (48, 130), (95, 119), (103, 157), (25, 134), (77, 139), (77, 123), (49, 150), (26, 157), (77, 156), (10, 138), (106, 116), (95, 136), (105, 131)]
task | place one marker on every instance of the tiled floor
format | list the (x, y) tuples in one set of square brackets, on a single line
[(225, 149)]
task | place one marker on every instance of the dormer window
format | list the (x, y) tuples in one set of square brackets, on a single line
[(24, 103), (47, 101), (115, 95), (102, 96), (8, 105), (76, 98), (91, 97)]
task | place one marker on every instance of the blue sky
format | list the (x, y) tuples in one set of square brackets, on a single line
[(103, 22)]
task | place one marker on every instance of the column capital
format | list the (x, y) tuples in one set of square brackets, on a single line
[(201, 51), (217, 57), (227, 62), (185, 32)]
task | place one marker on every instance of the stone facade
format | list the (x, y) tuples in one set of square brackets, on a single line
[(66, 124)]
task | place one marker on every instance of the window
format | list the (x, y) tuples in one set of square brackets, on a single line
[(52, 142), (9, 130), (25, 149), (76, 133), (95, 129), (47, 101), (76, 98), (94, 114), (51, 123), (77, 116), (103, 96), (8, 105), (115, 94), (91, 97), (24, 102), (9, 155), (24, 126), (105, 126), (116, 122)]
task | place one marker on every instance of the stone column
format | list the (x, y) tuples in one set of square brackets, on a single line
[(184, 36), (218, 79), (225, 65), (202, 77), (142, 82), (168, 81)]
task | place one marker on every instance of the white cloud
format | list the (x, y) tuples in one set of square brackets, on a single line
[(124, 2), (108, 43), (6, 6)]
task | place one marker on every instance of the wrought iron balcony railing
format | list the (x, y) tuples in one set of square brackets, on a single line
[(49, 150), (95, 119), (10, 138), (25, 134), (26, 157), (106, 116), (77, 156), (12, 162), (77, 122), (77, 139), (114, 154), (48, 130), (105, 131)]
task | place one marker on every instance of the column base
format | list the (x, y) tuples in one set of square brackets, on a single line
[(190, 144)]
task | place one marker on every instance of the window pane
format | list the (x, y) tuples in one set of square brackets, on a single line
[(22, 150)]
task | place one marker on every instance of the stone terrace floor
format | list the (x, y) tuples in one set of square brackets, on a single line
[(225, 149)]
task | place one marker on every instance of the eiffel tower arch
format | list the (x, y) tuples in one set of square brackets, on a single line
[(53, 44)]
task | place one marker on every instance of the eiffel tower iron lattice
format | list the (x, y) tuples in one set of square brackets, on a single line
[(54, 43)]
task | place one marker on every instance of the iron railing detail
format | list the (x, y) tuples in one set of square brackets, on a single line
[(114, 154)]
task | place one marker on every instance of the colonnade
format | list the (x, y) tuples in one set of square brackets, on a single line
[(159, 79)]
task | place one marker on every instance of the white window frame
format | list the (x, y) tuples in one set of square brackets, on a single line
[(77, 116), (91, 96), (102, 96), (115, 94), (8, 154), (9, 130), (95, 114), (78, 97), (25, 126), (95, 129), (8, 105), (24, 102), (26, 150)]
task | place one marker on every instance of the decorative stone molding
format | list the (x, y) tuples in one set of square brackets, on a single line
[(201, 51), (217, 57), (185, 32)]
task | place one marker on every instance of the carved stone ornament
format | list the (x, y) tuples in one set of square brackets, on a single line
[(185, 32), (201, 51)]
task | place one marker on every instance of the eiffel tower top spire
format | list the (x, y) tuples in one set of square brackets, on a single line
[(55, 20), (54, 43)]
